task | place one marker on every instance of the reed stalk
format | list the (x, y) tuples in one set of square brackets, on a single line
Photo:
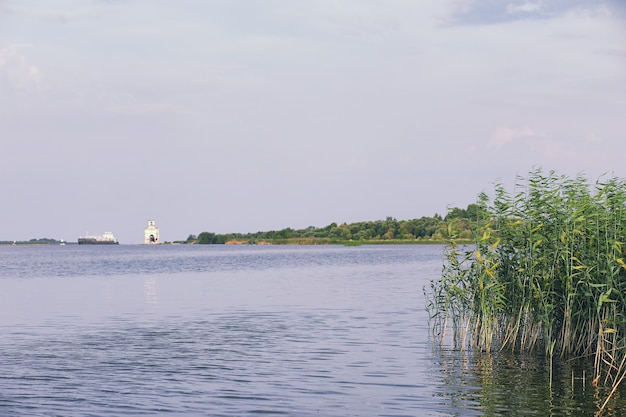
[(546, 273)]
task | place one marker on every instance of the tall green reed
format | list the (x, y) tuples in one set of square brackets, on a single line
[(546, 272)]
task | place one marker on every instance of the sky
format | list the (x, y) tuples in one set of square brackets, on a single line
[(243, 116)]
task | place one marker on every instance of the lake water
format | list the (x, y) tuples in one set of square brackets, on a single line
[(250, 330)]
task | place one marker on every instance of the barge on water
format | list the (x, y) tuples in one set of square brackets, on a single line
[(106, 239)]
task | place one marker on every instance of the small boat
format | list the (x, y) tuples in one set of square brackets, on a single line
[(106, 239)]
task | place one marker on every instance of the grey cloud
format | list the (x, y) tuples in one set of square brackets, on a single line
[(48, 15), (485, 12)]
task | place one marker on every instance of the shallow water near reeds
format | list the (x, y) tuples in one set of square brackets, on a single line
[(245, 330)]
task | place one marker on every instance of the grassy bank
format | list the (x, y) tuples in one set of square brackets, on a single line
[(330, 241), (547, 273)]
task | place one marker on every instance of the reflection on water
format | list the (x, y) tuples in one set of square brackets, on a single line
[(150, 288), (507, 384), (230, 331)]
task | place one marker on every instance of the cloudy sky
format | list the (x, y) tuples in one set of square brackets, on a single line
[(242, 115)]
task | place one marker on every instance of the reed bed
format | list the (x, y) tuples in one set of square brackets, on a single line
[(546, 273)]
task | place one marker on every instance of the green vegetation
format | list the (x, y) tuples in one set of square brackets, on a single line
[(40, 241), (423, 230), (546, 273)]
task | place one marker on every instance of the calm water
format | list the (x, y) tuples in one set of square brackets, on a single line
[(249, 330)]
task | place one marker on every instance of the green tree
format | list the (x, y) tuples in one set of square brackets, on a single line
[(456, 213), (284, 234), (207, 238)]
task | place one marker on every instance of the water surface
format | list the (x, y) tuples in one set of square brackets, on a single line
[(247, 330)]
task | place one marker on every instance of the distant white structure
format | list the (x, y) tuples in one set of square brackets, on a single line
[(151, 234)]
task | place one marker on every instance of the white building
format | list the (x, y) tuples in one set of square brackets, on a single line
[(151, 234)]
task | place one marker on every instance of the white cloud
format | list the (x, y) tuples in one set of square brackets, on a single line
[(15, 70), (540, 145), (593, 137), (523, 8), (505, 135)]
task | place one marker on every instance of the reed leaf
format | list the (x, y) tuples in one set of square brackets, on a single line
[(547, 272)]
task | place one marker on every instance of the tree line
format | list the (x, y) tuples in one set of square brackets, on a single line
[(457, 224), (39, 241)]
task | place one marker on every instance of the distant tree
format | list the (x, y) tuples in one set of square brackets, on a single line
[(207, 238), (334, 231), (283, 234), (475, 212), (456, 213), (43, 240), (460, 228), (457, 224), (345, 232), (405, 231)]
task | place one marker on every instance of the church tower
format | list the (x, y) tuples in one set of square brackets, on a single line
[(151, 234)]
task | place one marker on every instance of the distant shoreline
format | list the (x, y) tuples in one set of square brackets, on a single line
[(35, 243), (278, 242), (322, 241)]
